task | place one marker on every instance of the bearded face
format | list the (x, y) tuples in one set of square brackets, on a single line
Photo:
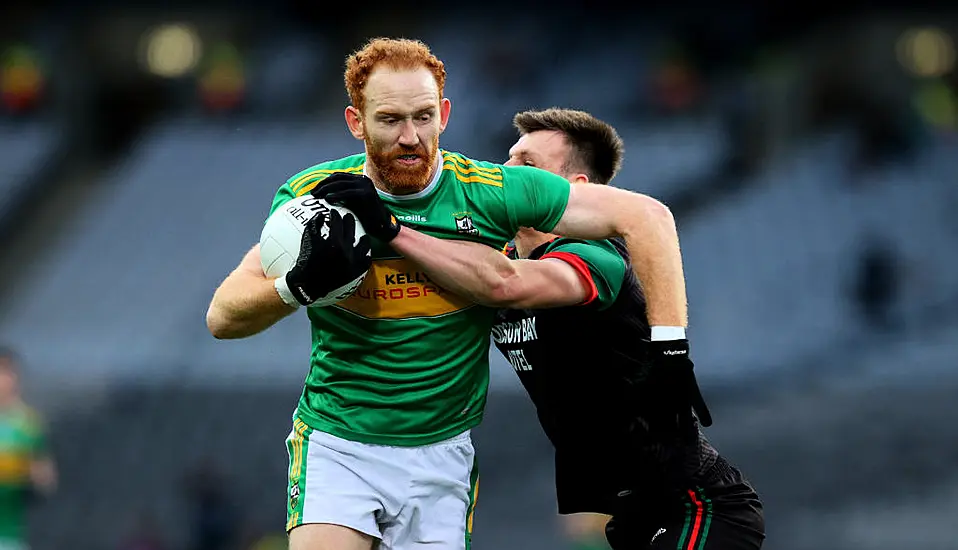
[(399, 119), (403, 169)]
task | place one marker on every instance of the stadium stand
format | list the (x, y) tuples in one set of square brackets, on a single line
[(26, 145)]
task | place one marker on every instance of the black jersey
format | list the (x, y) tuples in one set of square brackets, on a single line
[(575, 363)]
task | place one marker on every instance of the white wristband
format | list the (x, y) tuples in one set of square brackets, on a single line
[(285, 293), (668, 333)]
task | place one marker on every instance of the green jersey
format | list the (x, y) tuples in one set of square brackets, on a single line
[(21, 442), (403, 361)]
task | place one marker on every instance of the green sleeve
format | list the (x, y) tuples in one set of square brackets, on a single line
[(283, 195), (534, 198), (597, 262)]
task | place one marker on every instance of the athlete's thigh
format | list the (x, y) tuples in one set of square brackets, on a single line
[(703, 527), (727, 515), (719, 534), (336, 482), (439, 510), (325, 536)]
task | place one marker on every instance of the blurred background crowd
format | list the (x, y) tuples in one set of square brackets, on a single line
[(810, 156)]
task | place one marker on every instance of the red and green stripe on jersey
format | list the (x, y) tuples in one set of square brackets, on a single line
[(598, 263), (403, 361)]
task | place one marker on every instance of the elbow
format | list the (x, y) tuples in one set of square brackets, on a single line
[(657, 210), (219, 325), (652, 212), (660, 211)]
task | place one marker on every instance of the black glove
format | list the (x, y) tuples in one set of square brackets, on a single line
[(358, 193), (671, 390), (326, 263)]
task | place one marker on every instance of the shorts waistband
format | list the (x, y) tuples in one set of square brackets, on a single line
[(464, 437)]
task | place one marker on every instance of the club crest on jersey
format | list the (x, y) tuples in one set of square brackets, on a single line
[(464, 223)]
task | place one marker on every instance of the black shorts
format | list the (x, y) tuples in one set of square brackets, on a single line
[(724, 514)]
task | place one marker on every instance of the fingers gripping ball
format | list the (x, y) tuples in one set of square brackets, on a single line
[(320, 250)]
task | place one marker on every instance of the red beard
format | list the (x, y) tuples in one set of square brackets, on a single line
[(396, 178)]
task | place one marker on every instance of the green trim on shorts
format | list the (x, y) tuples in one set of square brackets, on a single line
[(297, 445), (473, 496)]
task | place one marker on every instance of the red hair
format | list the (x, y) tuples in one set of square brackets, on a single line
[(396, 53)]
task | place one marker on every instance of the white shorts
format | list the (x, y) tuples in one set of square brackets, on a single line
[(405, 496)]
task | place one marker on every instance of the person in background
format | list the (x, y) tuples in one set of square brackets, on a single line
[(27, 469)]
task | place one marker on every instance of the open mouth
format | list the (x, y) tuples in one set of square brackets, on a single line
[(409, 159)]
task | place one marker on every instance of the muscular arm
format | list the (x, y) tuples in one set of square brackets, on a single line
[(594, 212), (647, 225), (246, 303), (488, 277)]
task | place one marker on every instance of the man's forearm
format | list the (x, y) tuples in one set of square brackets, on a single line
[(245, 305), (471, 270), (653, 244)]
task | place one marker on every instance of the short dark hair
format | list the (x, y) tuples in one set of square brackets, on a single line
[(597, 149)]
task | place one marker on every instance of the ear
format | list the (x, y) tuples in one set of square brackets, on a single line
[(580, 178), (444, 107), (354, 121)]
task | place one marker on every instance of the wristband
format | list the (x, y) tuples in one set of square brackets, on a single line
[(282, 288), (667, 333)]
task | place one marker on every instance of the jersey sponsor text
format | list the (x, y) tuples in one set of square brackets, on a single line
[(515, 332), (396, 289)]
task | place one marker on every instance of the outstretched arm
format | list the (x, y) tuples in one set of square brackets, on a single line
[(587, 212), (594, 212), (486, 276)]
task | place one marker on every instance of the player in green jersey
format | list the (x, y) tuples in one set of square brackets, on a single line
[(443, 395), (380, 446), (26, 468)]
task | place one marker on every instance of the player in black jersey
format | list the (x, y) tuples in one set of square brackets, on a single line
[(618, 401)]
